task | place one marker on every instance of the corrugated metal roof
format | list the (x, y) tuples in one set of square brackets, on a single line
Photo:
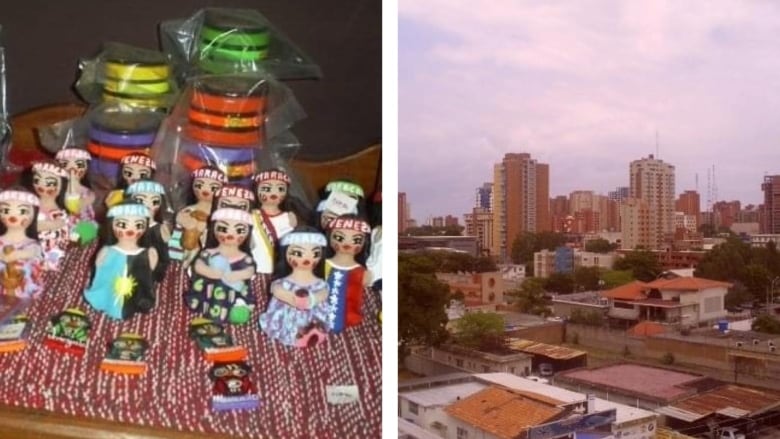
[(547, 350), (676, 413), (731, 399)]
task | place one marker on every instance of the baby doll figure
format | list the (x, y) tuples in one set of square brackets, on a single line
[(220, 288), (50, 183), (79, 198), (21, 259), (345, 270), (122, 284), (273, 219), (234, 197), (298, 311), (133, 167), (192, 219), (152, 195)]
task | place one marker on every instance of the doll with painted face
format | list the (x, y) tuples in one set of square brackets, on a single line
[(152, 195), (133, 167), (298, 312), (345, 270), (21, 257), (340, 197), (192, 220), (234, 197), (122, 284), (50, 183), (79, 197), (220, 288), (273, 219)]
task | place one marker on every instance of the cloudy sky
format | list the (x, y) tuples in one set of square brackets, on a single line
[(584, 86)]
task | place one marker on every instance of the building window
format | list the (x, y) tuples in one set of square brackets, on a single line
[(485, 369), (459, 362), (462, 433), (623, 305), (414, 408)]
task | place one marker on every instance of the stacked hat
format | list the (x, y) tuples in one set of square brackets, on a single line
[(141, 81), (229, 41), (115, 134)]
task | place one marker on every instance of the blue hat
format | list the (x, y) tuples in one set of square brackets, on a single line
[(130, 209), (145, 187), (311, 238)]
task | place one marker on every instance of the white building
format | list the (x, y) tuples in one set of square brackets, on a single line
[(652, 181)]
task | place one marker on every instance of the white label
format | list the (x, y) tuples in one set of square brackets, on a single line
[(342, 394), (11, 331), (340, 203)]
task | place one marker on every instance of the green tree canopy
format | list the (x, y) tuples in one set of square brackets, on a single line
[(527, 243), (561, 283), (766, 323), (643, 265), (434, 231), (586, 278), (453, 262), (600, 245), (616, 278), (726, 262), (479, 330), (531, 298), (422, 300)]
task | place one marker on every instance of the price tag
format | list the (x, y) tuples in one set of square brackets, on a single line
[(340, 203), (342, 394)]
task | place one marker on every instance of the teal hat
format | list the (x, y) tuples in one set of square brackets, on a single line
[(130, 209), (345, 186), (145, 187), (310, 238)]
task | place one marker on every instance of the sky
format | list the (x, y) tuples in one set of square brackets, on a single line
[(584, 86)]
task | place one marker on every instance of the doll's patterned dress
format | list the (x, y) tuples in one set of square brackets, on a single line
[(87, 211), (283, 322), (119, 263), (214, 298), (31, 270), (53, 241)]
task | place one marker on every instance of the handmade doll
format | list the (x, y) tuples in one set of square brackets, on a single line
[(235, 197), (192, 219), (21, 258), (220, 288), (340, 197), (152, 195), (132, 167), (50, 182), (122, 284), (345, 271), (79, 197), (273, 219), (297, 314), (374, 261), (68, 332), (233, 389)]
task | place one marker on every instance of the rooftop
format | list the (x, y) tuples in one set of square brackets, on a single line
[(585, 297), (687, 284), (729, 400), (442, 395), (547, 350), (629, 291), (407, 429)]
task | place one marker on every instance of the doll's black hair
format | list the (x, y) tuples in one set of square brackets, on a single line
[(290, 203), (363, 255), (27, 177), (120, 178), (283, 269), (32, 229), (161, 216), (243, 366), (211, 240), (85, 179)]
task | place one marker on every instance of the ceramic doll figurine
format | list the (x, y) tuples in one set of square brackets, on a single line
[(152, 195), (235, 197), (79, 198), (340, 197), (50, 183), (122, 283), (192, 219), (298, 312), (345, 272), (132, 167), (21, 259), (273, 219), (220, 288)]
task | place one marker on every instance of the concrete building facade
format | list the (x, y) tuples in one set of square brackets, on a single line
[(689, 203), (634, 224), (771, 211), (479, 223), (652, 180)]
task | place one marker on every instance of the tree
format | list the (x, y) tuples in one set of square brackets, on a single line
[(479, 330), (600, 245), (561, 283), (726, 261), (737, 295), (767, 324), (421, 303), (530, 298), (616, 278), (527, 243), (434, 231), (586, 278), (453, 262), (643, 264)]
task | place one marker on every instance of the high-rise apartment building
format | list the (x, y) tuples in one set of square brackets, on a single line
[(521, 200), (580, 200), (403, 212), (725, 213), (770, 214), (634, 224), (689, 203), (479, 223), (484, 193), (619, 194), (451, 221), (652, 181)]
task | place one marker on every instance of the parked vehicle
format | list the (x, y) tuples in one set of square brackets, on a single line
[(724, 433), (546, 369)]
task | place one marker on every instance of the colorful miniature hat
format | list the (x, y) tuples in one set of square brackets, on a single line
[(309, 238), (355, 224), (345, 186), (272, 175), (73, 154), (131, 335), (145, 187), (20, 196), (75, 311), (228, 213), (231, 190), (130, 209), (211, 173), (138, 158), (323, 203), (50, 168)]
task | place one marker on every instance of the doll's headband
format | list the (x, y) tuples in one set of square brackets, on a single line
[(228, 213), (73, 154), (50, 168), (130, 209), (355, 224), (211, 173), (145, 187), (272, 175), (345, 186), (322, 204), (20, 196), (308, 238), (231, 190), (138, 159)]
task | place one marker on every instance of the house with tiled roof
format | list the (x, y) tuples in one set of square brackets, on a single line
[(677, 300)]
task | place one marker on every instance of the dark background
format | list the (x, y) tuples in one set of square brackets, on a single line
[(45, 39)]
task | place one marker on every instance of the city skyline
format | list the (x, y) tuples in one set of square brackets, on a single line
[(585, 88)]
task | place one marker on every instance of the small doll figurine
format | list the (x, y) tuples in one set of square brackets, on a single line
[(79, 198), (122, 284), (152, 195), (298, 311), (126, 355), (235, 197), (341, 197), (232, 389), (273, 219), (192, 219), (68, 332), (345, 271), (132, 167), (50, 182), (220, 287), (214, 342), (21, 259)]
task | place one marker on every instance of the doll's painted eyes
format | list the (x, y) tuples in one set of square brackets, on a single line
[(120, 224), (198, 185), (50, 182), (357, 239), (242, 229), (127, 173), (214, 188), (63, 163), (156, 201), (338, 237), (317, 253), (140, 225), (144, 175), (222, 229), (81, 164), (36, 180), (138, 199), (23, 211), (296, 253)]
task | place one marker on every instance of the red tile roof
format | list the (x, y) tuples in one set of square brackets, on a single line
[(687, 284), (630, 291), (647, 329)]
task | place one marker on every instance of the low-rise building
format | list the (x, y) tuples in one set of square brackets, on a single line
[(761, 240), (471, 360), (465, 244), (591, 259), (587, 302), (479, 289)]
